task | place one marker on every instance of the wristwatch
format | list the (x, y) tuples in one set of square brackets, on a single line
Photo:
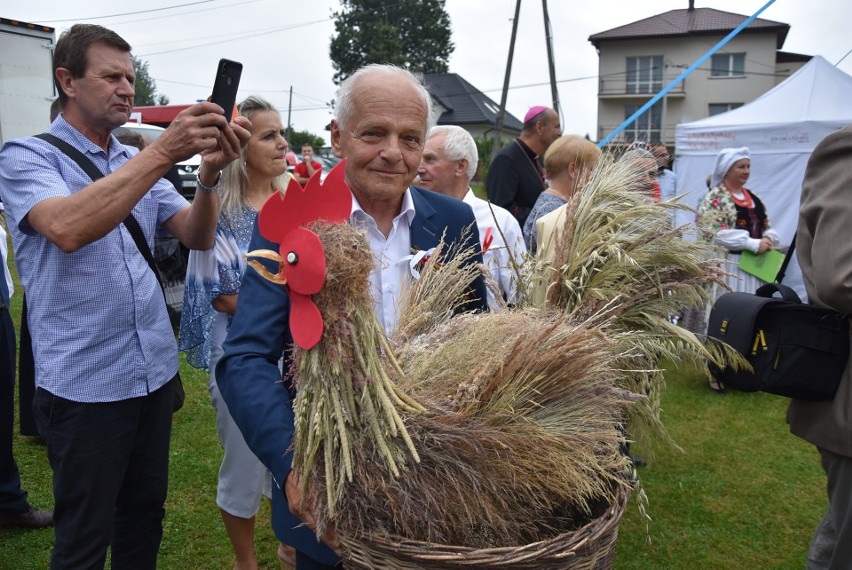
[(208, 189)]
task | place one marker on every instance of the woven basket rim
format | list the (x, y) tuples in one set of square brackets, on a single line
[(571, 544)]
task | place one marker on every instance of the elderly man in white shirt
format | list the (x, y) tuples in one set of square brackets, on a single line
[(383, 116), (449, 162)]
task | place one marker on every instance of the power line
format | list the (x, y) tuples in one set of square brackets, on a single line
[(78, 19), (242, 35), (320, 104), (310, 98), (326, 104), (227, 36), (182, 14), (251, 34)]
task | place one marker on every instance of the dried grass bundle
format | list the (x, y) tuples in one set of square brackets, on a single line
[(344, 388), (498, 429), (438, 439), (618, 257), (525, 446), (502, 428)]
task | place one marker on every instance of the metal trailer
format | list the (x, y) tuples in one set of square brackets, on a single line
[(26, 78)]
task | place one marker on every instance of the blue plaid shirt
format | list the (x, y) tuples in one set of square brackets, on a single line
[(97, 316)]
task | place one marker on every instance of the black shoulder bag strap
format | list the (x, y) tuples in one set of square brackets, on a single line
[(779, 277), (130, 223)]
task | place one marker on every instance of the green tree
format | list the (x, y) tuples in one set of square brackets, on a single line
[(484, 146), (414, 34), (146, 87), (299, 138)]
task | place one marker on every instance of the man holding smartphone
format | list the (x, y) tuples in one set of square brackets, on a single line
[(104, 349), (305, 169)]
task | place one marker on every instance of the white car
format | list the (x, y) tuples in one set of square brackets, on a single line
[(188, 169)]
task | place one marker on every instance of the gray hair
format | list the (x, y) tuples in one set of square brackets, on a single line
[(235, 178), (458, 145), (637, 154), (346, 105)]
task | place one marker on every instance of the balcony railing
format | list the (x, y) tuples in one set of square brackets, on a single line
[(665, 134), (618, 86)]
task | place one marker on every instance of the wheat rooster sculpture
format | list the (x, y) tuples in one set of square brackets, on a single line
[(474, 430)]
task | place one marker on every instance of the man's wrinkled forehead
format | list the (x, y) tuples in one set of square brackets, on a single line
[(389, 93)]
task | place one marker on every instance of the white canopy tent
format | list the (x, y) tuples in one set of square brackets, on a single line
[(780, 128)]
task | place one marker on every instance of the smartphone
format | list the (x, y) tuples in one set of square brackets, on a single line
[(226, 84)]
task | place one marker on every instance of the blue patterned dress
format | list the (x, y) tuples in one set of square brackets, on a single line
[(243, 479), (217, 271), (545, 204)]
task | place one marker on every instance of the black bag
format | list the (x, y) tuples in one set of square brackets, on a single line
[(796, 350), (171, 259), (135, 232)]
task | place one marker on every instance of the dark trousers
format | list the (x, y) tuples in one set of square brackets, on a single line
[(13, 500), (110, 464), (831, 544), (26, 378), (305, 562)]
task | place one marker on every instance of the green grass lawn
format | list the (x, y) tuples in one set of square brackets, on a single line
[(743, 493)]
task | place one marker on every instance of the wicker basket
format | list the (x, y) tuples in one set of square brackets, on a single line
[(589, 547)]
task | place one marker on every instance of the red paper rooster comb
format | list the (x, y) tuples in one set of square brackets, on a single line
[(330, 200), (301, 256)]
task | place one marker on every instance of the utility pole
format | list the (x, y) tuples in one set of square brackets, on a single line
[(548, 34), (501, 114), (289, 111)]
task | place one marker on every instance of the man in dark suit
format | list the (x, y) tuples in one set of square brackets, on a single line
[(381, 126), (515, 177), (825, 256)]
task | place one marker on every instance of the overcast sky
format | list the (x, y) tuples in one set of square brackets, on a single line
[(284, 44)]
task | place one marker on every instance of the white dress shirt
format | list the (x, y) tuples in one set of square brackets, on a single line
[(391, 258), (498, 257)]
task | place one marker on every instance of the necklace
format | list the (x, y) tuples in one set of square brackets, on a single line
[(257, 200), (744, 201), (553, 191)]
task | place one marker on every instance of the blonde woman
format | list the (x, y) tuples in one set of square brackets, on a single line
[(567, 163), (210, 300)]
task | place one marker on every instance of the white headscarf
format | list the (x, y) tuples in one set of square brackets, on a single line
[(725, 160)]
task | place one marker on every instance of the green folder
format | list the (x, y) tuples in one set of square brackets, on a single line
[(765, 267)]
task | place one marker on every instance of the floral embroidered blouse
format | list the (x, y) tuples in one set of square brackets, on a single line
[(735, 227)]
